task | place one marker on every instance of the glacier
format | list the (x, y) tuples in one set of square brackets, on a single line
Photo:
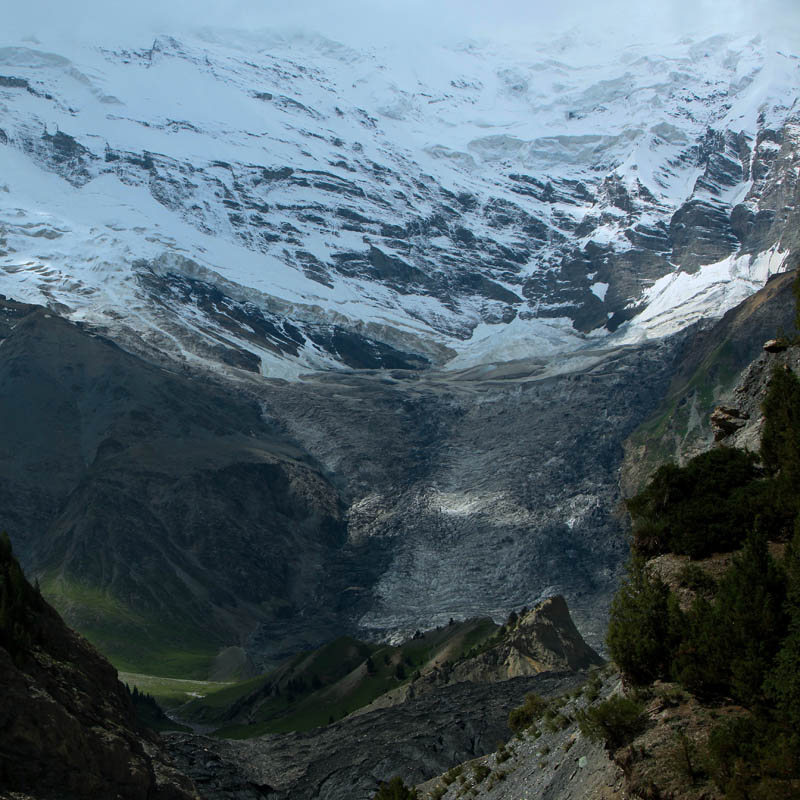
[(279, 202)]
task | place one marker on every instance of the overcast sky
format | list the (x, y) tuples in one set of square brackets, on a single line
[(359, 21)]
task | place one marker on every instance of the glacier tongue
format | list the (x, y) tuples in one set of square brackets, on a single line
[(679, 299), (281, 202)]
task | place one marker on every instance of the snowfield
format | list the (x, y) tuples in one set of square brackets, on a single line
[(465, 204)]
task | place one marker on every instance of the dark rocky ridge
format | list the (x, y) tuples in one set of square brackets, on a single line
[(174, 501), (542, 640), (262, 328), (68, 729)]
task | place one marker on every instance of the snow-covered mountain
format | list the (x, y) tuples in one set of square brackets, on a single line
[(270, 204), (281, 202)]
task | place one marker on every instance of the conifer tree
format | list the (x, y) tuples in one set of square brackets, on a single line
[(395, 789), (783, 683), (642, 628)]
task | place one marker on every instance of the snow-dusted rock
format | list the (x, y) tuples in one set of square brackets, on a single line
[(279, 203)]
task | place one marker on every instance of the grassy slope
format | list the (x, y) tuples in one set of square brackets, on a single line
[(330, 682), (343, 682), (171, 692), (131, 641)]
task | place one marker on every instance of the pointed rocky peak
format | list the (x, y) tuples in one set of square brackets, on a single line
[(546, 638)]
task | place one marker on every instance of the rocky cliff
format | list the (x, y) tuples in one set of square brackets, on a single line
[(710, 374), (543, 639), (68, 729)]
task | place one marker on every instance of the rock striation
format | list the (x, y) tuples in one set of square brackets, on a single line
[(546, 639), (342, 215)]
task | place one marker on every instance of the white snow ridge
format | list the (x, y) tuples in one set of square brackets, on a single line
[(281, 203)]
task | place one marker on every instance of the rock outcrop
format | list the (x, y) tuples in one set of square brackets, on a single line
[(552, 760), (726, 420), (544, 639), (749, 394)]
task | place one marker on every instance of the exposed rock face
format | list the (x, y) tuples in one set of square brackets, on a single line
[(164, 505), (556, 762), (725, 421), (713, 362), (701, 233), (347, 760), (543, 640), (546, 639), (68, 729), (749, 394)]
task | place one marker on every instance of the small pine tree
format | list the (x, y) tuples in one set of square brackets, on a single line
[(728, 645), (702, 507), (782, 685), (642, 630), (529, 712), (780, 447), (614, 721), (701, 660), (750, 602), (6, 550), (395, 789), (796, 293)]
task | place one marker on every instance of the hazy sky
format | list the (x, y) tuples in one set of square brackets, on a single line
[(376, 20)]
